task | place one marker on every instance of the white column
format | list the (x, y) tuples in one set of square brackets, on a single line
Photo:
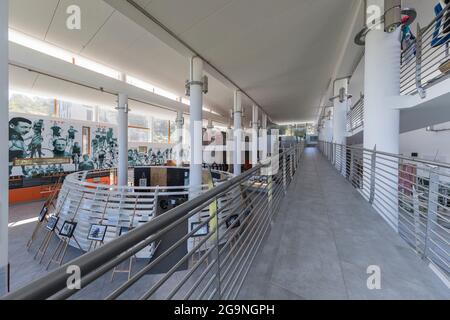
[(179, 143), (340, 112), (255, 110), (381, 122), (122, 141), (263, 144), (196, 89), (4, 159), (237, 159)]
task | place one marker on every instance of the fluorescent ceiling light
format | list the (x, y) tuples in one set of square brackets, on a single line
[(38, 45), (96, 67)]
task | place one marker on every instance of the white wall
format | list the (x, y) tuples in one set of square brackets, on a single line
[(429, 145)]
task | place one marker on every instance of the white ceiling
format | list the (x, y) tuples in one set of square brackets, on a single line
[(281, 52)]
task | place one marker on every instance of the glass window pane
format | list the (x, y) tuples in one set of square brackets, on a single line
[(71, 110), (107, 115), (160, 131), (138, 135), (138, 120), (31, 105)]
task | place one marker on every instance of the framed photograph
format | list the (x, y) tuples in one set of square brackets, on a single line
[(67, 229), (203, 231), (231, 219), (51, 223), (97, 232), (43, 213), (124, 230)]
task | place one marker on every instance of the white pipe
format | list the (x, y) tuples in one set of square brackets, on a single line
[(340, 112), (255, 135), (237, 133), (4, 114), (122, 168), (179, 142), (196, 101)]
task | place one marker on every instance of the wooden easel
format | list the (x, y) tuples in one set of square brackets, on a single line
[(61, 249), (130, 260), (95, 244), (49, 202), (59, 253)]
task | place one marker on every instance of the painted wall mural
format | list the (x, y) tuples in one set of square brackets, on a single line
[(53, 140), (34, 137)]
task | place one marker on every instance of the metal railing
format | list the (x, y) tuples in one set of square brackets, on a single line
[(426, 60), (355, 117), (198, 256), (412, 195)]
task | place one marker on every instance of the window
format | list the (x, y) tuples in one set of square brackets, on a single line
[(160, 131), (31, 105), (86, 138), (71, 110), (138, 135), (173, 132), (138, 120), (107, 115)]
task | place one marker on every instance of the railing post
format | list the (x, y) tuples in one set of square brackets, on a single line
[(342, 158), (292, 161), (284, 174), (416, 208), (433, 191), (418, 75), (373, 161)]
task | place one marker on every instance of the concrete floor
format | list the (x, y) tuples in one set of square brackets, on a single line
[(324, 238)]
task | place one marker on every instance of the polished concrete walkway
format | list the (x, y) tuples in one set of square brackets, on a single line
[(324, 238)]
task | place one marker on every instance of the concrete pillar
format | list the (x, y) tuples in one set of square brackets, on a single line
[(381, 122), (237, 159), (263, 144), (179, 136), (255, 128), (196, 134), (122, 141), (340, 103), (4, 159)]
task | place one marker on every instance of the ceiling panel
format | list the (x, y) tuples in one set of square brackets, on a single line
[(31, 17), (93, 15), (188, 13)]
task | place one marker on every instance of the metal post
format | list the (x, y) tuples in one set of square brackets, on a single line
[(255, 135), (4, 160), (122, 168), (179, 146), (284, 173), (237, 133), (419, 39), (196, 109), (373, 162), (433, 191)]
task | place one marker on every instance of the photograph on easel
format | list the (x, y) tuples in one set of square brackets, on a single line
[(51, 224), (43, 213), (67, 229), (203, 231), (97, 232)]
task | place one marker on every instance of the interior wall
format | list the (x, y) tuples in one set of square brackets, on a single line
[(429, 145)]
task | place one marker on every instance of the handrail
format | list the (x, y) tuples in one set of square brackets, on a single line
[(423, 161), (88, 263)]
